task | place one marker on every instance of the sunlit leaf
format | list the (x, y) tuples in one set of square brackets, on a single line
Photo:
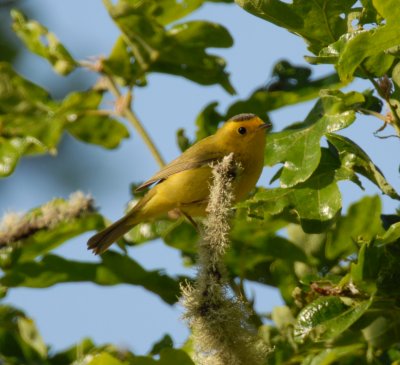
[(42, 42), (316, 202), (31, 122), (31, 336), (87, 123), (105, 358), (320, 22), (391, 235), (11, 150), (299, 149), (147, 46), (371, 42), (327, 317)]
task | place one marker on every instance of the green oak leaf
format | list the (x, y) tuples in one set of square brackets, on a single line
[(43, 43), (390, 236), (147, 46), (283, 92), (316, 202), (319, 22), (114, 269), (86, 122), (376, 64), (373, 42), (31, 122), (299, 148), (11, 150)]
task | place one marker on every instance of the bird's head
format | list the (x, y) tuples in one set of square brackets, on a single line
[(244, 130)]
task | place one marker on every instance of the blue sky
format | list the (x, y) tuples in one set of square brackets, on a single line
[(126, 315)]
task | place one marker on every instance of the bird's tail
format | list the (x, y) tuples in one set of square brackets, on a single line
[(101, 241)]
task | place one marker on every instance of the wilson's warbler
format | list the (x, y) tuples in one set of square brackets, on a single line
[(184, 183)]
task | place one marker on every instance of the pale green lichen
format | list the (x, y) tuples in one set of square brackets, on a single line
[(219, 320), (15, 226)]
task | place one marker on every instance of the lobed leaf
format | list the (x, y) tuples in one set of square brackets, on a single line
[(316, 202), (87, 123), (114, 269), (147, 46), (370, 43), (391, 235), (289, 85), (299, 148), (43, 43), (31, 122), (319, 22)]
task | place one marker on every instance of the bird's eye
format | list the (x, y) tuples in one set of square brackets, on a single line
[(242, 130)]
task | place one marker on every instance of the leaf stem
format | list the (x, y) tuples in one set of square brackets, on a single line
[(395, 122), (373, 113), (127, 112)]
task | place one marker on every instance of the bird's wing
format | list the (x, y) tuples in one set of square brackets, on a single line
[(192, 158)]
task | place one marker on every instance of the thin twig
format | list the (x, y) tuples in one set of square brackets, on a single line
[(127, 112), (373, 113), (125, 109), (396, 119)]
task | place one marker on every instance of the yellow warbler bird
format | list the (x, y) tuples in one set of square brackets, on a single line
[(184, 183)]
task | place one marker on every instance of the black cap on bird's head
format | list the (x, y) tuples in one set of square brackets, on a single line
[(248, 117), (243, 117)]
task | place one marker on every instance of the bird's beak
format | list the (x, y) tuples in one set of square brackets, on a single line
[(263, 126)]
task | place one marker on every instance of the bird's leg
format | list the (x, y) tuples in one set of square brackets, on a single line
[(192, 221)]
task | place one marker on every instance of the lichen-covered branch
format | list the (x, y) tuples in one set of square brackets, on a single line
[(220, 320), (15, 227)]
